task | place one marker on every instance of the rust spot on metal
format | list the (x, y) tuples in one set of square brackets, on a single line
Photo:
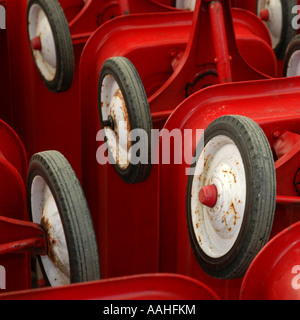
[(52, 245), (224, 219), (229, 212), (232, 207), (52, 240), (117, 106), (199, 239), (39, 57), (118, 94), (230, 172), (115, 123), (206, 160), (47, 226), (234, 175)]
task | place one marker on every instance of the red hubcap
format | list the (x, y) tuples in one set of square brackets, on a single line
[(208, 196), (264, 15), (36, 44)]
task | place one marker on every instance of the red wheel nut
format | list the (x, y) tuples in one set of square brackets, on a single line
[(36, 44), (208, 196), (264, 15)]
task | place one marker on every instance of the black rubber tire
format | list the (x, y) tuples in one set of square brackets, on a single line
[(288, 32), (73, 209), (260, 198), (296, 182), (63, 43), (293, 46), (136, 101)]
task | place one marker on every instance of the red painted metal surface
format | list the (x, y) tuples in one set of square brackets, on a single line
[(34, 134), (137, 6), (35, 116), (5, 108), (71, 7), (220, 42), (199, 111), (274, 274), (13, 168), (245, 4), (86, 16), (143, 287), (162, 36), (43, 120), (21, 236)]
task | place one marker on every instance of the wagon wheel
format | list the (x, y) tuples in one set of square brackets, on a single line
[(277, 16), (51, 43), (56, 201), (231, 197), (123, 107), (292, 58)]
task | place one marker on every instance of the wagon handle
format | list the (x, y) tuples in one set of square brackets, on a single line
[(220, 41)]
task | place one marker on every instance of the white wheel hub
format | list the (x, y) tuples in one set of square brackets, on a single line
[(113, 109), (270, 11), (42, 42), (45, 212), (217, 227), (293, 68)]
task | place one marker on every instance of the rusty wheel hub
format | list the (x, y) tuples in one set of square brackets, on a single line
[(218, 196), (45, 212), (116, 121)]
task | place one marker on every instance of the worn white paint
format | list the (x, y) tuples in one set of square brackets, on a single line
[(45, 212), (293, 68), (186, 4), (2, 18)]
